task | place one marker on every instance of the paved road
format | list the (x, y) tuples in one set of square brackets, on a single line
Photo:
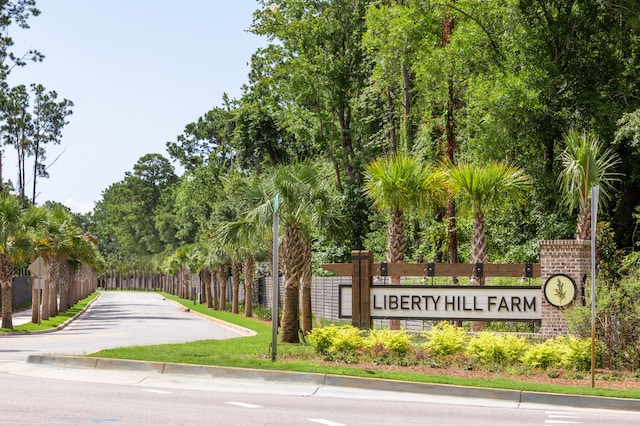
[(118, 319)]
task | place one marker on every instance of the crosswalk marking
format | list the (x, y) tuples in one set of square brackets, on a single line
[(243, 405), (325, 422), (155, 391), (568, 418)]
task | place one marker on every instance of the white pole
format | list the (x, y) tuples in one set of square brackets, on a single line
[(595, 192), (275, 282)]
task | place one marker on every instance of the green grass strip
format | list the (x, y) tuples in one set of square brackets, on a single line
[(254, 352), (55, 321)]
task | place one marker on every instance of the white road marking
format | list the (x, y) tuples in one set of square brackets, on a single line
[(325, 422), (243, 404), (154, 391), (551, 415)]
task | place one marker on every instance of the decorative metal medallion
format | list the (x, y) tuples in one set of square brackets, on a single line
[(560, 290)]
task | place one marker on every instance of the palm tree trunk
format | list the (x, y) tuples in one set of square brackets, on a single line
[(478, 255), (307, 314), (206, 286), (53, 296), (583, 229), (66, 280), (223, 288), (290, 314), (7, 309), (6, 281), (293, 264), (235, 281), (214, 284), (395, 240), (248, 286), (395, 251), (49, 283)]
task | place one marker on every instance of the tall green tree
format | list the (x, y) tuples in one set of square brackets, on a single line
[(321, 40), (396, 31), (13, 13), (206, 139), (318, 55), (32, 120), (16, 128), (49, 118), (128, 210)]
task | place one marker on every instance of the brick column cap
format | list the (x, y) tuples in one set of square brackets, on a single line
[(579, 243)]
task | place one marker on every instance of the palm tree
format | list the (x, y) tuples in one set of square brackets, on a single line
[(304, 192), (17, 242), (482, 187), (61, 238), (585, 165), (247, 241), (83, 258), (398, 184)]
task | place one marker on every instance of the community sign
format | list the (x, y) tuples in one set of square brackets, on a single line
[(480, 303)]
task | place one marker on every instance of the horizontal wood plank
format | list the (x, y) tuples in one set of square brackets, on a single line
[(440, 269)]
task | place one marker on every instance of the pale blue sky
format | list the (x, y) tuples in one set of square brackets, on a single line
[(137, 71)]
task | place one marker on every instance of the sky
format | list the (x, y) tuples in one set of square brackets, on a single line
[(137, 72)]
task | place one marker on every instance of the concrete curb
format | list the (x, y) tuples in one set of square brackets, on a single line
[(320, 380), (245, 332)]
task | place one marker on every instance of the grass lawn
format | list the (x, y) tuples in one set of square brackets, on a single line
[(254, 352), (56, 321)]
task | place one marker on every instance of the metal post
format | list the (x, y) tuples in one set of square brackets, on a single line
[(595, 191), (275, 282), (39, 287)]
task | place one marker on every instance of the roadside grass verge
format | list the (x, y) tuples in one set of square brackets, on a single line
[(254, 352), (56, 321)]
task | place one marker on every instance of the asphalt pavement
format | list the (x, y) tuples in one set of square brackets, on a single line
[(69, 365)]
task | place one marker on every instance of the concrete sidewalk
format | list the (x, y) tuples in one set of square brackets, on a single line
[(22, 317)]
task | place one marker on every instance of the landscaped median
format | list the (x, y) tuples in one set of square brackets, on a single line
[(253, 353), (53, 323)]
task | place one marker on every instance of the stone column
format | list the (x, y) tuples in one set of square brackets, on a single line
[(568, 257)]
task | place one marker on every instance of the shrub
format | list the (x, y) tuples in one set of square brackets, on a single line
[(445, 339), (339, 343), (577, 354), (500, 349), (544, 355), (321, 338), (397, 341), (346, 344), (567, 352)]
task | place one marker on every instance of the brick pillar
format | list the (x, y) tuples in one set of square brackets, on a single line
[(568, 257)]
